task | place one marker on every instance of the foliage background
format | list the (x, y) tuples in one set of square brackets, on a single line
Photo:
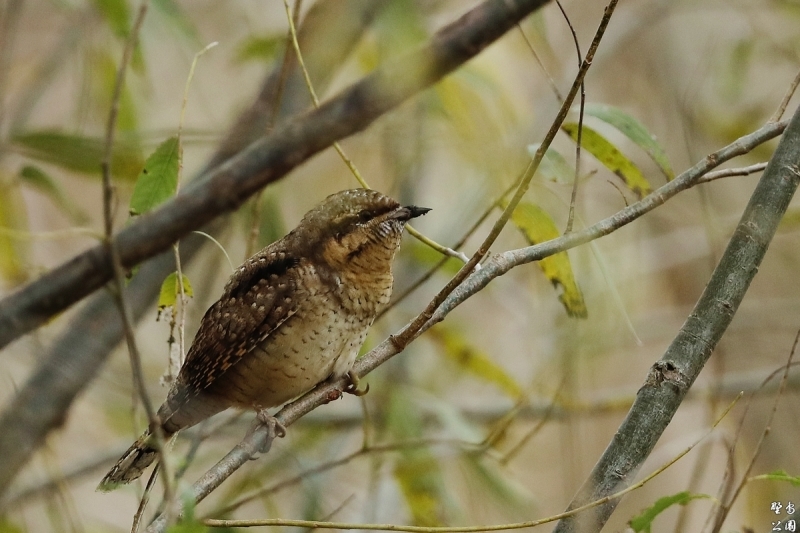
[(696, 74)]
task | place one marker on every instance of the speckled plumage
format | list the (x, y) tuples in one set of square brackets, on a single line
[(292, 315)]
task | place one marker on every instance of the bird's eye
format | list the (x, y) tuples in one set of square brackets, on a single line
[(364, 215)]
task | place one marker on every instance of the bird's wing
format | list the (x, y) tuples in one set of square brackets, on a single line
[(255, 302)]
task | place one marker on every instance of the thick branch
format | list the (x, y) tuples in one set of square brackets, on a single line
[(669, 379), (227, 186)]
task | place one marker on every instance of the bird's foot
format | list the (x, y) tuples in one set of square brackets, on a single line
[(352, 387), (274, 428)]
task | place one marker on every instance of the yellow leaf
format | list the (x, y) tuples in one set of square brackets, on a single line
[(613, 159), (417, 475), (537, 226), (474, 361), (12, 217)]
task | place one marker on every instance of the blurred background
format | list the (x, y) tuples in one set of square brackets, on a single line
[(511, 363)]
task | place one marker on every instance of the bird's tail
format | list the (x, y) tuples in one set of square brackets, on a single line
[(132, 463)]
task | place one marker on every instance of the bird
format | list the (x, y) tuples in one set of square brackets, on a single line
[(293, 315)]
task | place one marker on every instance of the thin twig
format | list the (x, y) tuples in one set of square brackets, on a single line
[(547, 75), (726, 507), (574, 195), (330, 465), (470, 529), (729, 172), (411, 331), (179, 309), (786, 97), (119, 276), (435, 268)]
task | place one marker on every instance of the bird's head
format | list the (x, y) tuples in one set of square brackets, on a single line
[(358, 226)]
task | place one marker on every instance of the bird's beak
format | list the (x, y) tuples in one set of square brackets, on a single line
[(410, 211)]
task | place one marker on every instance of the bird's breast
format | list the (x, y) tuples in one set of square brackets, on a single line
[(322, 337)]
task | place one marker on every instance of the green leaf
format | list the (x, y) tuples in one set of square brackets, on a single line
[(12, 251), (430, 257), (170, 290), (39, 179), (9, 527), (419, 480), (735, 72), (259, 48), (158, 180), (633, 130), (608, 155), (553, 166), (416, 471), (177, 18), (778, 475), (497, 482), (271, 226), (103, 78), (537, 227), (79, 153), (118, 16), (644, 521), (474, 361)]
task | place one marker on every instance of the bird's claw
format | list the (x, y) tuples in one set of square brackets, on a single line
[(274, 428), (352, 387)]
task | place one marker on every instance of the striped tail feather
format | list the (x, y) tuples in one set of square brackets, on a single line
[(131, 465)]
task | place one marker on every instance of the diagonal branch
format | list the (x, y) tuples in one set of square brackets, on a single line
[(226, 187), (669, 378)]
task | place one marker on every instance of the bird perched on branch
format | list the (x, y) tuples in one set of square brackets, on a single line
[(294, 314)]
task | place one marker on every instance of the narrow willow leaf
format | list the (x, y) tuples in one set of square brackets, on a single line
[(118, 17), (416, 470), (537, 227), (116, 14), (633, 130), (474, 361), (779, 475), (12, 251), (736, 70), (613, 159), (170, 290), (79, 153), (158, 180), (261, 48), (553, 166), (177, 18), (418, 476), (430, 257), (9, 527), (39, 179), (103, 79), (271, 226), (644, 521), (498, 483)]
